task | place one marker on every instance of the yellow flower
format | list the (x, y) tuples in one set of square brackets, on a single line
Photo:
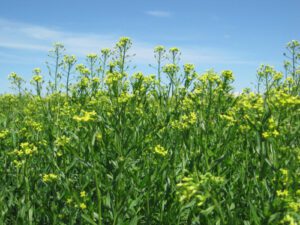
[(82, 206), (92, 56), (288, 220), (284, 172), (83, 194), (37, 78), (228, 74), (265, 134), (88, 116), (275, 133), (62, 141), (283, 193), (3, 134), (160, 150), (50, 177), (69, 201)]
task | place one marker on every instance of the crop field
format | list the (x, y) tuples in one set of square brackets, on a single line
[(94, 144)]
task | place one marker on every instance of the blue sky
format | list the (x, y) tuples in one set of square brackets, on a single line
[(221, 34)]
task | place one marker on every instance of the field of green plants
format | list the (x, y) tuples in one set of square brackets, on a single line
[(91, 144)]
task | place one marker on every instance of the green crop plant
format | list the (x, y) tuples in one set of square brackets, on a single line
[(96, 145)]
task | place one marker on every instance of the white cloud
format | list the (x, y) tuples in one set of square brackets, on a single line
[(158, 13), (18, 35), (30, 37)]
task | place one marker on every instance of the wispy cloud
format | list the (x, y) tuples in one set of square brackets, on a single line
[(25, 36), (227, 36), (30, 37), (158, 13)]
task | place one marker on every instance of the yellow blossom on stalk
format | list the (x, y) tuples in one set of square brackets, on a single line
[(82, 206), (25, 149), (192, 118), (3, 134), (284, 172), (82, 194), (113, 77), (170, 68), (105, 51), (295, 206), (269, 134), (228, 75), (37, 78), (187, 103), (18, 163), (275, 133), (272, 123), (288, 219), (124, 97), (92, 56), (290, 80), (49, 177), (188, 68), (174, 50), (124, 42), (283, 193), (185, 122), (266, 134), (98, 136), (70, 59), (277, 76), (82, 69), (87, 116), (228, 118), (62, 141), (159, 48), (160, 150), (96, 80), (69, 200)]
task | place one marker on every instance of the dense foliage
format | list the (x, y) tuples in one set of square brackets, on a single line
[(175, 148)]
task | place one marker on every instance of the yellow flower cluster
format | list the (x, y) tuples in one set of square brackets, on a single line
[(288, 219), (37, 78), (50, 177), (34, 125), (159, 49), (83, 70), (92, 56), (96, 80), (210, 77), (113, 77), (124, 42), (185, 122), (124, 97), (19, 163), (170, 68), (3, 134), (188, 68), (62, 141), (282, 99), (86, 117), (230, 119), (281, 193), (228, 75), (160, 150), (272, 131), (25, 149)]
